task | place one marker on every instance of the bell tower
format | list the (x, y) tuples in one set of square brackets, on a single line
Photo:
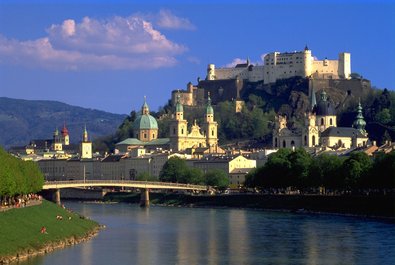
[(210, 127), (86, 146), (178, 128)]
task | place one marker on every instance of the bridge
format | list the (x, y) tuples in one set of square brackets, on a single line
[(144, 186)]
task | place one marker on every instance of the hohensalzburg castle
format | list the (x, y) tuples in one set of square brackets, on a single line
[(285, 65)]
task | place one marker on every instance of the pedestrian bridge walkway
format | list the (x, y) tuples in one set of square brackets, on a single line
[(121, 183), (144, 186)]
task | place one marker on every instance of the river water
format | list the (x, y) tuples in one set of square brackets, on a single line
[(170, 235)]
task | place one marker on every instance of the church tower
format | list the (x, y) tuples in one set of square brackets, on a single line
[(178, 128), (86, 146), (310, 136), (65, 135), (57, 141), (325, 112), (210, 127), (359, 122)]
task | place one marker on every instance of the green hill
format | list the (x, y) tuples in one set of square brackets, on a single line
[(23, 120)]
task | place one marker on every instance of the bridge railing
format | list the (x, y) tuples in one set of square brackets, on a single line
[(128, 182)]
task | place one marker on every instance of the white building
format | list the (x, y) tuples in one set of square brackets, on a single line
[(285, 65)]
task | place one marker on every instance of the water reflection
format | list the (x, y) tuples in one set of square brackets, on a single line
[(165, 235)]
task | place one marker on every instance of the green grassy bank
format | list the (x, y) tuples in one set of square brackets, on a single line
[(20, 229)]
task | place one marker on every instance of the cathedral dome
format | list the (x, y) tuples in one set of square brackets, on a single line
[(145, 121), (324, 107)]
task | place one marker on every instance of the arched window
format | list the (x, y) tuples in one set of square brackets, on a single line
[(182, 131), (330, 121), (145, 136), (212, 133), (284, 144), (313, 140), (292, 143), (153, 135), (322, 121), (305, 140), (275, 142)]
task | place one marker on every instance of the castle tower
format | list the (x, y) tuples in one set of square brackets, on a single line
[(210, 127), (178, 128), (307, 62), (359, 122), (145, 127), (86, 146), (211, 72), (57, 141), (65, 135), (344, 68)]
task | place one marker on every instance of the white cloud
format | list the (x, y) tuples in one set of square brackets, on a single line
[(116, 43), (237, 61), (169, 21)]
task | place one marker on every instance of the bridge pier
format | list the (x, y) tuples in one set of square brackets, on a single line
[(144, 198), (57, 196)]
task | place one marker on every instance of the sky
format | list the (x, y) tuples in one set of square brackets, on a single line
[(108, 55)]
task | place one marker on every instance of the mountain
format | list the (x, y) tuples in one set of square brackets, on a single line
[(24, 120)]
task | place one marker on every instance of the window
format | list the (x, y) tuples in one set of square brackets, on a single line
[(305, 140), (330, 121), (275, 142), (182, 131), (322, 121), (145, 136), (284, 144), (313, 140), (292, 143), (174, 130), (153, 135), (212, 133)]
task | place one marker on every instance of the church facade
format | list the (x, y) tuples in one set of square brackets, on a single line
[(198, 137), (320, 129)]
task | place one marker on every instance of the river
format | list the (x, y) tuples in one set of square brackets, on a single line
[(171, 235)]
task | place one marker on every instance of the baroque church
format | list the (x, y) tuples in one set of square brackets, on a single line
[(145, 130), (320, 129)]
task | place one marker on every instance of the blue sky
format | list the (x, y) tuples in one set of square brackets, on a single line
[(109, 55)]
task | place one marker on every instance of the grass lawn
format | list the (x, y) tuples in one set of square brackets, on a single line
[(20, 228)]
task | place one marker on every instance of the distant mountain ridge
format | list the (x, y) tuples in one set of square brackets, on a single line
[(23, 120)]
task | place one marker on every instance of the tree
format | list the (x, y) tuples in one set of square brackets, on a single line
[(173, 170), (355, 168), (216, 178), (299, 171)]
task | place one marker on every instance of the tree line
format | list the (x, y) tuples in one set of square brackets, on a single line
[(177, 171), (299, 170), (18, 177)]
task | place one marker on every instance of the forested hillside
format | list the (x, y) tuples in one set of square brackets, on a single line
[(23, 120)]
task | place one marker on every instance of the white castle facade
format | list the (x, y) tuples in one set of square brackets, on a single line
[(285, 65)]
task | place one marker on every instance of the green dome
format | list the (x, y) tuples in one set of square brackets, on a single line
[(209, 109), (145, 122), (179, 107)]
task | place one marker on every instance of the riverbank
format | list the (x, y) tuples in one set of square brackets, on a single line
[(367, 206), (41, 229)]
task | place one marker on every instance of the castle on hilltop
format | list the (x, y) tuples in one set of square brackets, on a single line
[(285, 65), (227, 83)]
